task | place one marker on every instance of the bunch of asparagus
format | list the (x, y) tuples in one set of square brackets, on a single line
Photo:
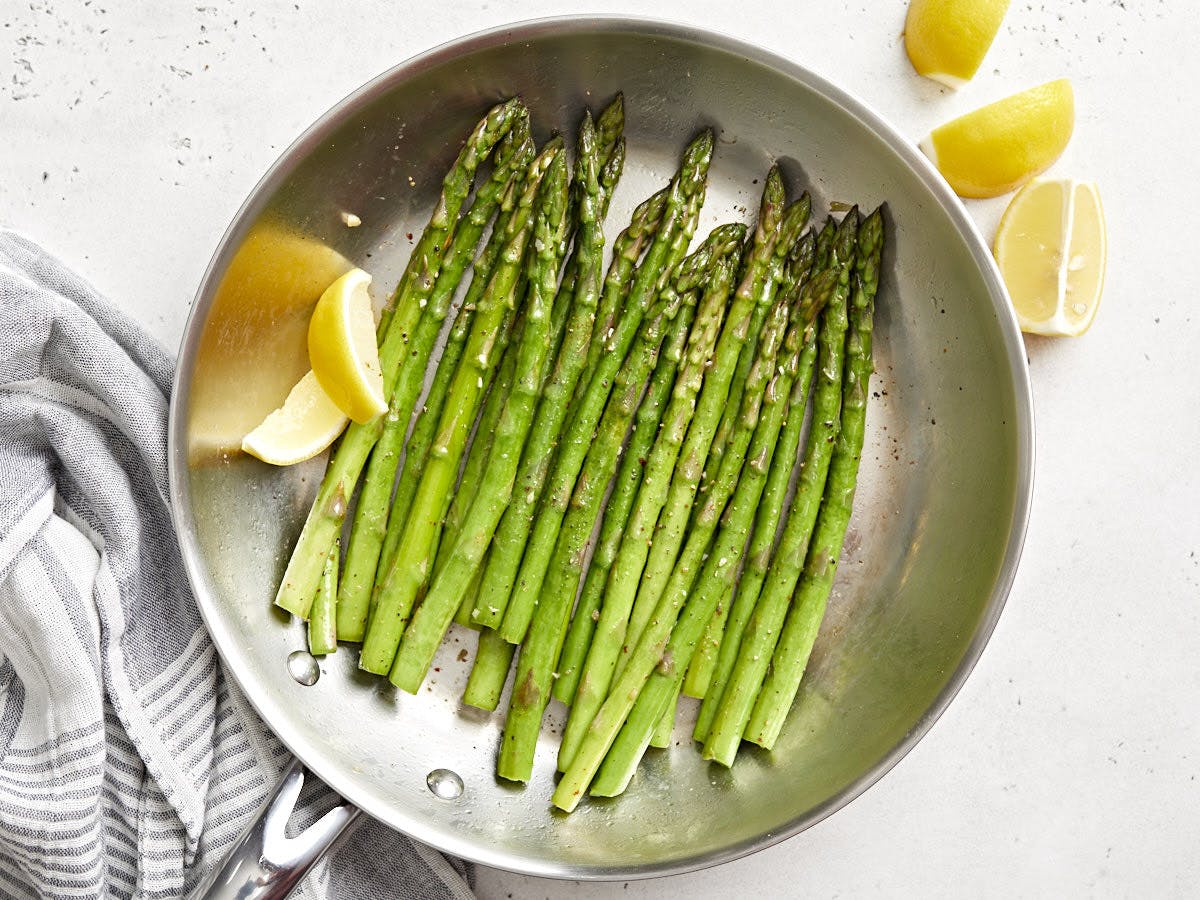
[(664, 401)]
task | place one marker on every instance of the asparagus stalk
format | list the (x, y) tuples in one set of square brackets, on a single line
[(495, 482), (466, 606), (598, 143), (410, 569), (612, 148), (762, 631), (322, 620), (622, 759), (656, 703), (670, 245), (737, 386), (663, 731), (403, 367), (666, 725), (493, 659), (478, 452), (609, 149), (762, 543), (566, 565), (494, 656), (480, 449), (430, 414), (609, 126), (540, 649), (425, 430), (610, 174), (649, 652), (808, 605), (614, 614), (718, 651), (370, 521), (630, 476), (799, 266), (777, 231), (512, 533), (735, 393)]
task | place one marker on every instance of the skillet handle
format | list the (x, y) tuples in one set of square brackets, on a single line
[(265, 864)]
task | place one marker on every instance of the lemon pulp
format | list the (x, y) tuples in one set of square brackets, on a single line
[(342, 348), (1051, 249), (305, 425)]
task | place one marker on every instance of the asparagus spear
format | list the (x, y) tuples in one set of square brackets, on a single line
[(649, 652), (762, 543), (745, 360), (670, 245), (609, 126), (430, 414), (614, 614), (666, 725), (656, 703), (609, 149), (539, 651), (370, 520), (495, 482), (631, 745), (808, 605), (403, 367), (566, 565), (597, 143), (508, 544), (735, 393), (681, 343), (612, 149), (480, 449), (616, 510), (425, 429), (777, 231), (493, 659), (762, 630), (322, 620), (607, 152), (665, 729), (466, 605), (699, 674), (720, 650), (611, 153), (412, 563)]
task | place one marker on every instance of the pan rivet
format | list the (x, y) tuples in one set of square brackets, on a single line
[(445, 784), (303, 667)]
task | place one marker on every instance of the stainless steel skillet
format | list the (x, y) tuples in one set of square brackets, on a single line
[(939, 520)]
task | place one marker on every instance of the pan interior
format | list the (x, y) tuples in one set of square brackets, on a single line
[(939, 507)]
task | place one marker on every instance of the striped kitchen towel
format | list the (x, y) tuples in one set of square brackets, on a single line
[(128, 761)]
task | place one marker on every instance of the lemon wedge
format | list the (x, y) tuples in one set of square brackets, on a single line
[(999, 147), (1051, 251), (342, 348), (306, 424), (253, 348), (946, 40)]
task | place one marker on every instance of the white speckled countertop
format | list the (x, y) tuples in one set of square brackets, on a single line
[(1068, 765)]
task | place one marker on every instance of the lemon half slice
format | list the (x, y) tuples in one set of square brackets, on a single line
[(999, 147), (306, 424), (946, 40), (342, 348), (1051, 248)]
